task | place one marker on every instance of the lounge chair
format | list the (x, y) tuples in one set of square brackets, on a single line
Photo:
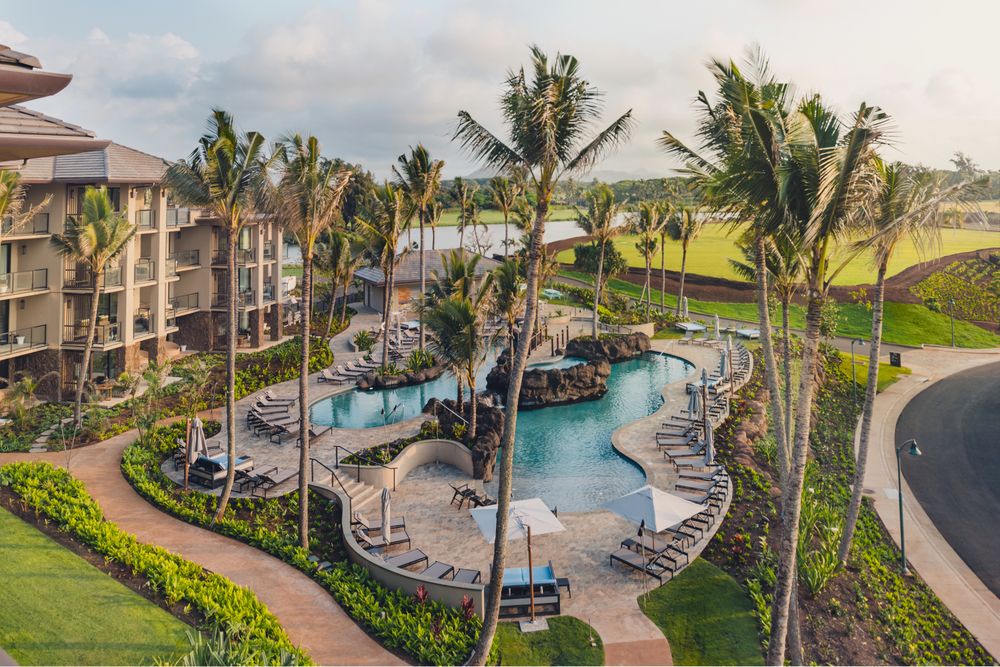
[(437, 570), (378, 543), (271, 398), (462, 493), (349, 372), (651, 565), (686, 338), (269, 480), (466, 576), (668, 552), (252, 479), (326, 376), (398, 523), (477, 500), (407, 559)]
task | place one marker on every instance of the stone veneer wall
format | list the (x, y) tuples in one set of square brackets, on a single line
[(195, 331)]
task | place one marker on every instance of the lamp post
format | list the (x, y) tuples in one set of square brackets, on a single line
[(951, 311), (911, 446), (854, 370)]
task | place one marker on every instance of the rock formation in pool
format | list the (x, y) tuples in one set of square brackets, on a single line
[(489, 429), (610, 348), (543, 387), (375, 381)]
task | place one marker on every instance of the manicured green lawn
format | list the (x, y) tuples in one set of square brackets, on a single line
[(706, 616), (566, 642), (58, 609), (887, 375), (709, 255), (449, 218), (904, 324), (291, 270)]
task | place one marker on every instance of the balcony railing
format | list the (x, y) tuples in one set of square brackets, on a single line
[(268, 291), (143, 322), (76, 333), (184, 302), (243, 256), (178, 216), (82, 278), (145, 218), (145, 270), (269, 250), (24, 281), (39, 224), (19, 340), (243, 299), (185, 258)]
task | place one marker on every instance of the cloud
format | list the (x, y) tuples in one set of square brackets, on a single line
[(10, 36)]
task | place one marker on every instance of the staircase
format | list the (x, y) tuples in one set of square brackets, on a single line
[(361, 494)]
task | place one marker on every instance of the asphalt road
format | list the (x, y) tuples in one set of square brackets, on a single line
[(956, 423)]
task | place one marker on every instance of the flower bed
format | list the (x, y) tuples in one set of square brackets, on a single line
[(56, 495), (423, 630), (387, 451)]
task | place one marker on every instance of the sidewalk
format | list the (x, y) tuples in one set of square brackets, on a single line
[(926, 549)]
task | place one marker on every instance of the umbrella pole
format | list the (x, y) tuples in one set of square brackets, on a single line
[(531, 578), (704, 406), (187, 453)]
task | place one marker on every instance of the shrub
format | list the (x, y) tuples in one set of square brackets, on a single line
[(419, 360), (364, 340)]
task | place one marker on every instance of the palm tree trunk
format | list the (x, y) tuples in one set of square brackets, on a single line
[(597, 290), (343, 306), (506, 234), (519, 361), (792, 496), (88, 350), (304, 425), (333, 302), (680, 294), (231, 321), (471, 435), (434, 237), (385, 317), (649, 287), (770, 363), (423, 280), (866, 417), (460, 396), (787, 353), (663, 272)]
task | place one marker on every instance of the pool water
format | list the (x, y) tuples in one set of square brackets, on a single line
[(564, 362), (563, 454)]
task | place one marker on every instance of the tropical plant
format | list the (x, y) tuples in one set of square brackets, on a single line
[(457, 276), (434, 212), (223, 174), (508, 296), (684, 226), (464, 195), (95, 240), (364, 340), (338, 257), (419, 360), (547, 119), (390, 220), (505, 193), (13, 201), (599, 222), (648, 222), (420, 178)]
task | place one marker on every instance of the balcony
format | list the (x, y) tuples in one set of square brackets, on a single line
[(184, 303), (186, 258), (178, 216), (23, 340), (39, 224), (268, 292), (243, 256), (82, 278), (243, 299), (105, 333), (145, 218), (23, 281), (269, 250), (145, 270), (143, 322)]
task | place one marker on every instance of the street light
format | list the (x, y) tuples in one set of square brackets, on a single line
[(911, 446), (854, 370), (951, 302)]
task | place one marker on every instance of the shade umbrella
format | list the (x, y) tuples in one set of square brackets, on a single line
[(724, 365), (525, 517), (654, 508), (199, 445), (386, 516), (694, 403), (709, 444), (718, 331)]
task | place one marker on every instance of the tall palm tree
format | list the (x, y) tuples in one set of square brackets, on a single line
[(223, 175), (666, 209), (505, 192), (14, 212), (909, 207), (390, 220), (434, 212), (684, 226), (420, 179), (457, 323), (464, 194), (95, 239), (648, 224), (307, 202), (548, 118), (599, 223), (331, 254), (457, 276), (508, 296)]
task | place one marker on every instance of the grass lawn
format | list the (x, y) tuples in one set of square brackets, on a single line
[(58, 609), (566, 642), (291, 270), (449, 217), (904, 323), (887, 375), (709, 255), (707, 618)]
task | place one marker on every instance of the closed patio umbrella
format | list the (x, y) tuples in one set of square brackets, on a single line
[(386, 515), (724, 365), (684, 308), (709, 444), (694, 403), (718, 331)]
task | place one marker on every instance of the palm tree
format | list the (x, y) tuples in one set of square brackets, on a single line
[(908, 207), (457, 323), (684, 226), (434, 212), (457, 276), (599, 223), (95, 239), (386, 227), (223, 174), (548, 118), (13, 199), (420, 179), (666, 209), (306, 201), (331, 255), (505, 193), (648, 223), (508, 296), (464, 194)]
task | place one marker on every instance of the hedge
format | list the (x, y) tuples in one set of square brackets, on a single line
[(236, 611)]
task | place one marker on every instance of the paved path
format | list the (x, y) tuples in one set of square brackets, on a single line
[(309, 614), (927, 550)]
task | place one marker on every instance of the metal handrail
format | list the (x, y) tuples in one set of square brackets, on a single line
[(367, 460), (441, 404), (333, 477)]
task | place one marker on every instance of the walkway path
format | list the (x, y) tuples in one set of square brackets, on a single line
[(926, 549), (309, 614)]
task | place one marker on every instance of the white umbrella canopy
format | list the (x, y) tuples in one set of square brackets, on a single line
[(198, 444), (658, 509), (531, 512), (386, 514)]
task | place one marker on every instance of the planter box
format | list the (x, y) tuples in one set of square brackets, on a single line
[(412, 456)]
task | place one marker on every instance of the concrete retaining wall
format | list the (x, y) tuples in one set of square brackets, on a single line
[(413, 456)]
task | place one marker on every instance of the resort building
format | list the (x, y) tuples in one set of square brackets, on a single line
[(167, 290), (407, 278)]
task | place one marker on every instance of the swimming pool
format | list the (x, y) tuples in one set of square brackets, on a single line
[(563, 454), (564, 362)]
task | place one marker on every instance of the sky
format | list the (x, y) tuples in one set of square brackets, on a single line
[(371, 77)]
